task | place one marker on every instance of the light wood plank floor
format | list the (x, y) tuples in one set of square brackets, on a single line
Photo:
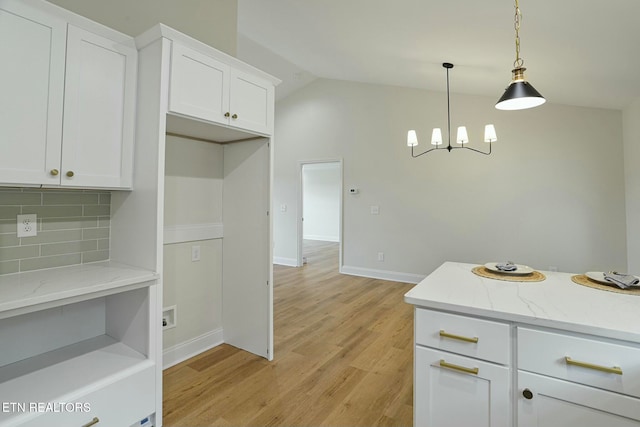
[(343, 357)]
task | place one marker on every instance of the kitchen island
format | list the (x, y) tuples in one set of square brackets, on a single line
[(501, 353)]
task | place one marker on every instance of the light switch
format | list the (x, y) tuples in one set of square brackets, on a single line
[(195, 253), (283, 207)]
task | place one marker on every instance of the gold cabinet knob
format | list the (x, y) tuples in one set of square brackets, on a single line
[(54, 172), (235, 116), (70, 174), (226, 114)]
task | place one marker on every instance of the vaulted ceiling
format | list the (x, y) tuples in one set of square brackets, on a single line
[(577, 52)]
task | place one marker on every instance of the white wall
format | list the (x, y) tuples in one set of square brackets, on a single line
[(321, 201), (552, 194), (193, 196), (213, 22), (631, 120)]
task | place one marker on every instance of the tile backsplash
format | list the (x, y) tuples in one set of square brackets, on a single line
[(73, 228)]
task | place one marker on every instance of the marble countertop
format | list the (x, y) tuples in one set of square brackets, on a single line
[(31, 291), (556, 302)]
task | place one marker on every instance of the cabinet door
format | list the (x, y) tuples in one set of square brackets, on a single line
[(99, 111), (199, 86), (446, 395), (558, 403), (32, 48), (252, 100), (246, 293)]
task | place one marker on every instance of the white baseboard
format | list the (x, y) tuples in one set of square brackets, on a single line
[(289, 262), (186, 350), (382, 274), (321, 238)]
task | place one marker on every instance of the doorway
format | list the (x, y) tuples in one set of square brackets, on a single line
[(320, 205)]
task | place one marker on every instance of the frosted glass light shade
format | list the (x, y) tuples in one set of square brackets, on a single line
[(436, 137), (490, 134), (462, 137), (412, 138)]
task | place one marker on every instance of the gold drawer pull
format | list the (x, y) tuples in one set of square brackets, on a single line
[(447, 365), (235, 116), (70, 174), (93, 422), (444, 334), (615, 370), (227, 114), (54, 172)]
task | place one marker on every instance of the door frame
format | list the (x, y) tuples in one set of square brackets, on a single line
[(300, 225)]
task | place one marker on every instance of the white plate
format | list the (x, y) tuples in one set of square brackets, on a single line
[(598, 276), (520, 269)]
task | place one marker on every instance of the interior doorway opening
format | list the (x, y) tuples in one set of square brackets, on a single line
[(320, 200)]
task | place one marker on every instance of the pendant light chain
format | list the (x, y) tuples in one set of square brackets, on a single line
[(519, 62)]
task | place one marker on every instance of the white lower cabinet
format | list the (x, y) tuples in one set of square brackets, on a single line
[(567, 380), (82, 346), (549, 402), (465, 376), (121, 403), (453, 390)]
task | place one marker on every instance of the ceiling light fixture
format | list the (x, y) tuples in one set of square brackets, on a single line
[(462, 136), (520, 94)]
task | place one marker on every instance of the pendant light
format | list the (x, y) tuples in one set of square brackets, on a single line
[(462, 138), (520, 94)]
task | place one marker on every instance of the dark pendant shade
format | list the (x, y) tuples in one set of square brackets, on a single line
[(519, 96)]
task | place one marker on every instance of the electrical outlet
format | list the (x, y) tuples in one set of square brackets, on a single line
[(27, 225)]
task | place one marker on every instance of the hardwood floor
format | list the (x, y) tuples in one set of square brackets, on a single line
[(343, 357)]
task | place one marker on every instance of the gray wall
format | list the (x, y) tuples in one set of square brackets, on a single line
[(632, 184), (213, 22), (551, 195), (193, 196)]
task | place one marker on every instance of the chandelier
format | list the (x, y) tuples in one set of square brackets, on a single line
[(462, 138)]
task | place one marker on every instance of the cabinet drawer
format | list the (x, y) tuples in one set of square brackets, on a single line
[(482, 339), (121, 403), (601, 364)]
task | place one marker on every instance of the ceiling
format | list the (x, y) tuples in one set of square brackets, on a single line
[(577, 52)]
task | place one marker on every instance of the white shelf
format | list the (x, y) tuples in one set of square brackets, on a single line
[(68, 373), (32, 291)]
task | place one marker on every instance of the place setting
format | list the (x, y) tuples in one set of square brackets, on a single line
[(611, 281), (508, 271)]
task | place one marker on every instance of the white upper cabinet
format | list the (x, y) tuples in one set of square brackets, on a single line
[(99, 111), (252, 102), (67, 108), (199, 85), (32, 48), (208, 88)]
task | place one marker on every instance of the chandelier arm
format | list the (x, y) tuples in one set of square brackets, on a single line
[(486, 153), (424, 152)]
